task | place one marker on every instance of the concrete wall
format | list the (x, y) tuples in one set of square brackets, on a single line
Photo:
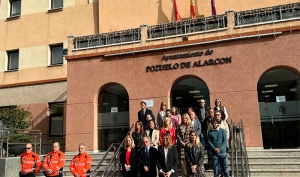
[(10, 167)]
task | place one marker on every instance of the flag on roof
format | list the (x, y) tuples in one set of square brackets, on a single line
[(193, 11)]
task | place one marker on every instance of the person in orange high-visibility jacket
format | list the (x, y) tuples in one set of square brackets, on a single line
[(81, 163), (30, 162), (54, 162)]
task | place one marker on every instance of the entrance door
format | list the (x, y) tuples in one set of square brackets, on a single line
[(187, 92), (279, 106), (113, 115)]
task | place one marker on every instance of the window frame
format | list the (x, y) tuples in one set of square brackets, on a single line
[(51, 55), (9, 60), (11, 8), (53, 3)]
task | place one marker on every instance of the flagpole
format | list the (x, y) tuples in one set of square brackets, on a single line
[(176, 11)]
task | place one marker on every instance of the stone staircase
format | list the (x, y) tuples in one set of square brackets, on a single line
[(262, 162), (274, 162)]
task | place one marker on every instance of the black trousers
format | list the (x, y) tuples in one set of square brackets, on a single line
[(26, 175)]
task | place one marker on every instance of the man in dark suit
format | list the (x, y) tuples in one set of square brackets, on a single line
[(143, 113), (147, 159)]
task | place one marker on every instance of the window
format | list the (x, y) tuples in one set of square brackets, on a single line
[(56, 118), (55, 4), (56, 54), (15, 6), (13, 60)]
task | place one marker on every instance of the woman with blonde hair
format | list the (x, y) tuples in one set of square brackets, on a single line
[(194, 156), (167, 158), (167, 128), (182, 133), (128, 157)]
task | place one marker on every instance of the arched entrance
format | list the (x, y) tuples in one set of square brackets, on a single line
[(113, 115), (187, 92), (279, 106)]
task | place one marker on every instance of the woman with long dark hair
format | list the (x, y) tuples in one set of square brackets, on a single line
[(153, 134), (138, 134)]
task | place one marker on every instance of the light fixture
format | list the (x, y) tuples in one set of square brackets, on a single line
[(177, 98), (198, 96), (267, 91), (267, 96), (271, 85), (195, 91), (293, 89)]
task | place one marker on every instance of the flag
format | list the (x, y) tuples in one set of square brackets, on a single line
[(193, 11), (213, 8), (176, 11)]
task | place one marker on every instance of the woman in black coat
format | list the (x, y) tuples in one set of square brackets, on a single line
[(138, 134), (194, 156), (167, 158), (128, 157)]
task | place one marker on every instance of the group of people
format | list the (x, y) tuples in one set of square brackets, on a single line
[(54, 162), (156, 148)]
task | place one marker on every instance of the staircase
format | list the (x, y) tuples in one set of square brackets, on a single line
[(274, 162)]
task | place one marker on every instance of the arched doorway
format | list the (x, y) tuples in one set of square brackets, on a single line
[(113, 115), (279, 106), (187, 92)]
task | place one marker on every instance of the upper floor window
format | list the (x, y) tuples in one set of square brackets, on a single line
[(15, 8), (56, 54), (13, 60), (57, 4)]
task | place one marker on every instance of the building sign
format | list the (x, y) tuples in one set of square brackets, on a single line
[(189, 64)]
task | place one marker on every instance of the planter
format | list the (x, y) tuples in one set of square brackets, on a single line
[(15, 149)]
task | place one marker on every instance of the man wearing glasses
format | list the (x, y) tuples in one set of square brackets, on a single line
[(217, 141), (81, 163), (54, 162), (30, 162)]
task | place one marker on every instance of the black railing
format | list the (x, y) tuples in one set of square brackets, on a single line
[(114, 166), (185, 27), (273, 14), (107, 39)]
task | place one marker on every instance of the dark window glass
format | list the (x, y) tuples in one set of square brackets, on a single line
[(15, 8), (57, 4), (13, 60), (56, 118), (56, 54)]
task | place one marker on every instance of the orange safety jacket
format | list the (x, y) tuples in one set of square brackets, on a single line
[(81, 164), (54, 161), (30, 163)]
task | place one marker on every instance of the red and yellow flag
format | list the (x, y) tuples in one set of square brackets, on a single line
[(176, 11), (193, 11)]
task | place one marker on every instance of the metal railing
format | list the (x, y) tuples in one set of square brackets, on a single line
[(6, 143), (266, 15), (114, 165), (239, 156)]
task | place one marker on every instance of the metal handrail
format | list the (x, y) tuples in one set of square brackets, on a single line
[(116, 153), (245, 150), (6, 132), (238, 144), (102, 159), (232, 148)]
